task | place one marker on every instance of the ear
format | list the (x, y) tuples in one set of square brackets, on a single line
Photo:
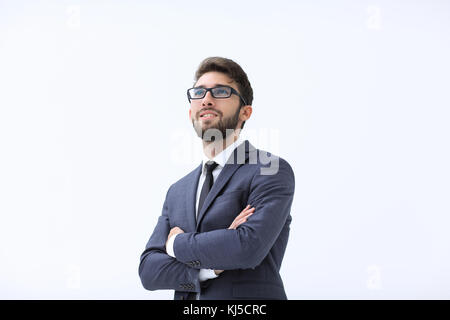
[(190, 114), (246, 112)]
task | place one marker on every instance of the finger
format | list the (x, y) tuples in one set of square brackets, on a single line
[(250, 214), (244, 219), (235, 223), (246, 208), (245, 212), (232, 226), (240, 215), (240, 222)]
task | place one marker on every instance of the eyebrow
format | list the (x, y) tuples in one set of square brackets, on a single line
[(214, 85)]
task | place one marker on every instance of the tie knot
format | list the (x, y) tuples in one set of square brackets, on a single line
[(210, 166)]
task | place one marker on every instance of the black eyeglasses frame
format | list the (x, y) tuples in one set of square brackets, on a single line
[(233, 91)]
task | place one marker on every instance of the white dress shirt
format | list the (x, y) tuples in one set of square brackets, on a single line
[(221, 159)]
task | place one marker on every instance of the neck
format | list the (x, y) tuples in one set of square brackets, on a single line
[(213, 148)]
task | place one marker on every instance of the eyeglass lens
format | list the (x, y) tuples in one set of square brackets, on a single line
[(217, 92)]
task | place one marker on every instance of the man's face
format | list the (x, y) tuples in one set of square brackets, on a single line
[(221, 114)]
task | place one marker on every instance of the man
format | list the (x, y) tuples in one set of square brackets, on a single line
[(224, 227)]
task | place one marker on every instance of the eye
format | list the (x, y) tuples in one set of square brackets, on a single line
[(198, 92), (222, 91)]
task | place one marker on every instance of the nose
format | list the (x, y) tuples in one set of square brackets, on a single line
[(208, 99)]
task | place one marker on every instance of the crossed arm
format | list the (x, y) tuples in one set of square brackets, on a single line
[(224, 249), (240, 219), (158, 270)]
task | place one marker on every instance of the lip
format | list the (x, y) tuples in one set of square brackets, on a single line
[(208, 112)]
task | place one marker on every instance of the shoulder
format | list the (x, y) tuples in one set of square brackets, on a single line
[(186, 181), (273, 177), (270, 165)]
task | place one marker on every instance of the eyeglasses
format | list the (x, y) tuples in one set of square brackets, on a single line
[(219, 92)]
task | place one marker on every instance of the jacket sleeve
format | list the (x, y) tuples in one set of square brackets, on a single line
[(157, 269), (246, 246)]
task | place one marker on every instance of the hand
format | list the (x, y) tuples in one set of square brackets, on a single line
[(240, 219), (174, 231)]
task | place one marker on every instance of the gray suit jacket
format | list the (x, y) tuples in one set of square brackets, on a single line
[(251, 255)]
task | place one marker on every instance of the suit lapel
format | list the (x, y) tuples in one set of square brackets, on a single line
[(191, 195), (238, 158)]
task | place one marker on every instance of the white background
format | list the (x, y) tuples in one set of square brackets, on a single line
[(94, 129)]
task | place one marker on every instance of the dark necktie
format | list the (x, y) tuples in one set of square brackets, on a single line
[(209, 180)]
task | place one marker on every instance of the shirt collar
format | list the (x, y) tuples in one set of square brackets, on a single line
[(223, 156)]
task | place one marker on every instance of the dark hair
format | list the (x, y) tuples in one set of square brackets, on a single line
[(233, 71)]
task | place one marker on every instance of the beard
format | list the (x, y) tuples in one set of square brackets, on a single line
[(220, 130)]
